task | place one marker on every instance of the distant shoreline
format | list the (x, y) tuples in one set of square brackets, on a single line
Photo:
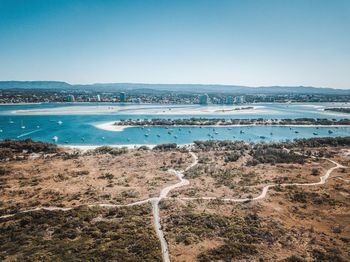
[(111, 126)]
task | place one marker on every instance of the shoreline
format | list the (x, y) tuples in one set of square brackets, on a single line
[(128, 146), (92, 147), (110, 126), (136, 109)]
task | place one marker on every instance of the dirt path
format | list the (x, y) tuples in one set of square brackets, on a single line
[(163, 194), (154, 202), (183, 182), (266, 188)]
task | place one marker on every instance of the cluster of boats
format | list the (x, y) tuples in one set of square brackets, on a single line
[(170, 131), (212, 135)]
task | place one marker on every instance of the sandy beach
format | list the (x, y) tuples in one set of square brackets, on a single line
[(92, 147), (110, 126), (146, 110), (69, 110)]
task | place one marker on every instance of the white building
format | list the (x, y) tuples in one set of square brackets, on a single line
[(70, 98), (239, 100)]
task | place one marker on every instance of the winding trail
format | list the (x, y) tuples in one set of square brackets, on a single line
[(266, 188), (163, 194), (183, 182), (154, 202)]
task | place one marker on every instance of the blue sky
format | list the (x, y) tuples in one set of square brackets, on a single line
[(241, 42)]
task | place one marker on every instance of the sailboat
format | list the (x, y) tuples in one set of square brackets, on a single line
[(55, 138), (11, 122), (22, 126)]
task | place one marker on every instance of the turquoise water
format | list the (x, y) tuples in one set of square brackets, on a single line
[(79, 129)]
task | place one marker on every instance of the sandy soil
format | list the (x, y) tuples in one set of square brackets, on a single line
[(310, 222), (89, 179)]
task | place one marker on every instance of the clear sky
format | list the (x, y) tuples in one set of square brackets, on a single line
[(241, 42)]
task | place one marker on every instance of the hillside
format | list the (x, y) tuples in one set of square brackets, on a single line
[(183, 88)]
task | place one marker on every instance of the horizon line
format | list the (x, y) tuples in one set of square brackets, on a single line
[(157, 83)]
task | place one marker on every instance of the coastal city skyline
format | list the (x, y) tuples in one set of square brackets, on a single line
[(252, 43)]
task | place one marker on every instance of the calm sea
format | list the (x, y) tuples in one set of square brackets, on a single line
[(74, 124)]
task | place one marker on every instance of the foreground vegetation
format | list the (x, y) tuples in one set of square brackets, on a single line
[(81, 234), (292, 224)]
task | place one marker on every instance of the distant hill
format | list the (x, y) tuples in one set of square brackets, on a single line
[(183, 88), (34, 85)]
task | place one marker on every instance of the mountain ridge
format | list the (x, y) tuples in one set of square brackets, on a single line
[(185, 88)]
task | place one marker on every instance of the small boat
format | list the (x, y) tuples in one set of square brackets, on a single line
[(330, 132), (82, 139), (262, 137), (55, 138), (158, 135), (315, 134), (11, 122), (59, 122), (169, 132), (22, 126), (297, 132), (216, 133), (146, 135), (242, 132)]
